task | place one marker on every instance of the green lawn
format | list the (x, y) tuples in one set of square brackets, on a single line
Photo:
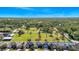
[(34, 36)]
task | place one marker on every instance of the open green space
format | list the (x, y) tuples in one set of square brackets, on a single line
[(34, 36)]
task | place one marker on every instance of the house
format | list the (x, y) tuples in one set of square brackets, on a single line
[(7, 38)]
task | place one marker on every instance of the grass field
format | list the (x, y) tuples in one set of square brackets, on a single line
[(34, 36)]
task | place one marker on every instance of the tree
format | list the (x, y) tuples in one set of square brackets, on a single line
[(39, 35), (20, 32)]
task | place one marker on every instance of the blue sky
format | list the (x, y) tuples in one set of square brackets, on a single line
[(39, 12)]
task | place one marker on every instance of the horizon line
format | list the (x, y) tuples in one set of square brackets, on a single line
[(39, 17)]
